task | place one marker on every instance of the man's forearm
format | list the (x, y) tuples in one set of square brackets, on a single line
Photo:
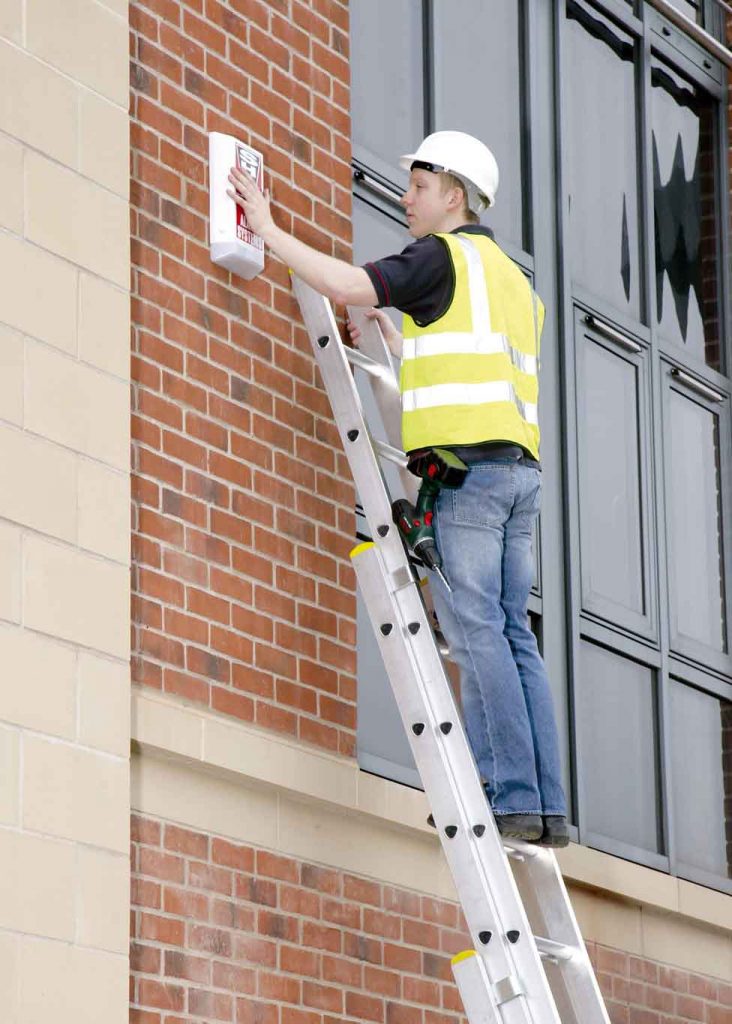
[(340, 281)]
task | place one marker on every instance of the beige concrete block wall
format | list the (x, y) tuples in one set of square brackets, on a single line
[(64, 511)]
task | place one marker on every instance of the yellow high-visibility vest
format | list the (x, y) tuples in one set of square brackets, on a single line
[(472, 375)]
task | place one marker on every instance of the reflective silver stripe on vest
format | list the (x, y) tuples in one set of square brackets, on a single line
[(468, 394), (461, 343)]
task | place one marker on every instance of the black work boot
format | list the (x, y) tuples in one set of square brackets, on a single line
[(556, 832), (520, 826)]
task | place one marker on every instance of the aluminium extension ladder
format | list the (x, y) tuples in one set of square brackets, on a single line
[(512, 893)]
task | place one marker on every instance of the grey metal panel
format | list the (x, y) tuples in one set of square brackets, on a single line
[(701, 741), (617, 716), (397, 85), (477, 57), (617, 547), (601, 143)]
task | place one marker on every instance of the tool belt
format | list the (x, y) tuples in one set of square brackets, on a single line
[(471, 453)]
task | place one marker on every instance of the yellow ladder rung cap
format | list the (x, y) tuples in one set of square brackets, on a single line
[(465, 955), (362, 547)]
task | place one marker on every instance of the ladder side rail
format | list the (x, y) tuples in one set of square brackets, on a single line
[(581, 984), (484, 881), (385, 390), (542, 884), (347, 412)]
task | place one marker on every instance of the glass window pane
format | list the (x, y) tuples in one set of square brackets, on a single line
[(383, 747), (695, 551), (477, 59), (387, 75), (684, 196), (610, 483), (618, 746), (691, 8), (600, 86), (701, 752)]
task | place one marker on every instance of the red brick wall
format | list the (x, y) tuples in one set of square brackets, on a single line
[(242, 505), (225, 932)]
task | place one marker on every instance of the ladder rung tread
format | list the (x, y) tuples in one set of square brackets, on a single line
[(552, 950)]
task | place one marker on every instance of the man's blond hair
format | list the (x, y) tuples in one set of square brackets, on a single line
[(448, 181)]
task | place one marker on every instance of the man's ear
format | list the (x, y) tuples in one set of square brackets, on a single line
[(456, 198)]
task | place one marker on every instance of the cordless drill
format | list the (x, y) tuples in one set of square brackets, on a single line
[(438, 468)]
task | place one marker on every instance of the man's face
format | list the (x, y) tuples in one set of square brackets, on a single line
[(425, 203)]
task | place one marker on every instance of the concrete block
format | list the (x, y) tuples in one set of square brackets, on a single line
[(75, 794), (104, 150), (104, 325), (104, 510), (84, 39), (38, 885), (77, 597), (38, 105), (77, 406), (11, 375), (104, 704), (11, 180), (39, 293), (69, 985), (9, 776), (77, 219), (43, 492), (10, 573), (103, 891), (40, 682)]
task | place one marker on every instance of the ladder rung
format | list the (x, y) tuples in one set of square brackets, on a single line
[(551, 950), (368, 365), (387, 451), (519, 850)]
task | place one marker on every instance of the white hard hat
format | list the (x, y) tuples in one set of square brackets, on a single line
[(464, 156)]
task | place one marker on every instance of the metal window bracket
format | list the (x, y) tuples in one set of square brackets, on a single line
[(696, 385), (375, 186), (713, 46), (612, 334)]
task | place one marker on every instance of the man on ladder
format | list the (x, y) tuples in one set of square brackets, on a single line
[(469, 383)]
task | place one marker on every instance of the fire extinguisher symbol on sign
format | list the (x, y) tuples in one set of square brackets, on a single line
[(251, 164), (248, 162)]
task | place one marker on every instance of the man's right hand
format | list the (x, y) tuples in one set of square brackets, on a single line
[(392, 336)]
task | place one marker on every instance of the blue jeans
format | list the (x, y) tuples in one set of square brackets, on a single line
[(483, 532)]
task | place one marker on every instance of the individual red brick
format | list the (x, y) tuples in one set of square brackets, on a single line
[(234, 978), (397, 1013), (145, 959), (184, 965), (210, 940), (322, 936), (207, 876), (362, 948), (250, 949), (161, 865), (299, 961), (322, 997), (386, 983), (312, 731), (143, 830), (688, 1007), (214, 1005), (277, 926), (417, 990), (182, 840), (145, 893), (256, 890), (273, 866), (365, 1007), (167, 930), (280, 987), (342, 971), (254, 1011), (401, 958), (278, 719), (163, 996)]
